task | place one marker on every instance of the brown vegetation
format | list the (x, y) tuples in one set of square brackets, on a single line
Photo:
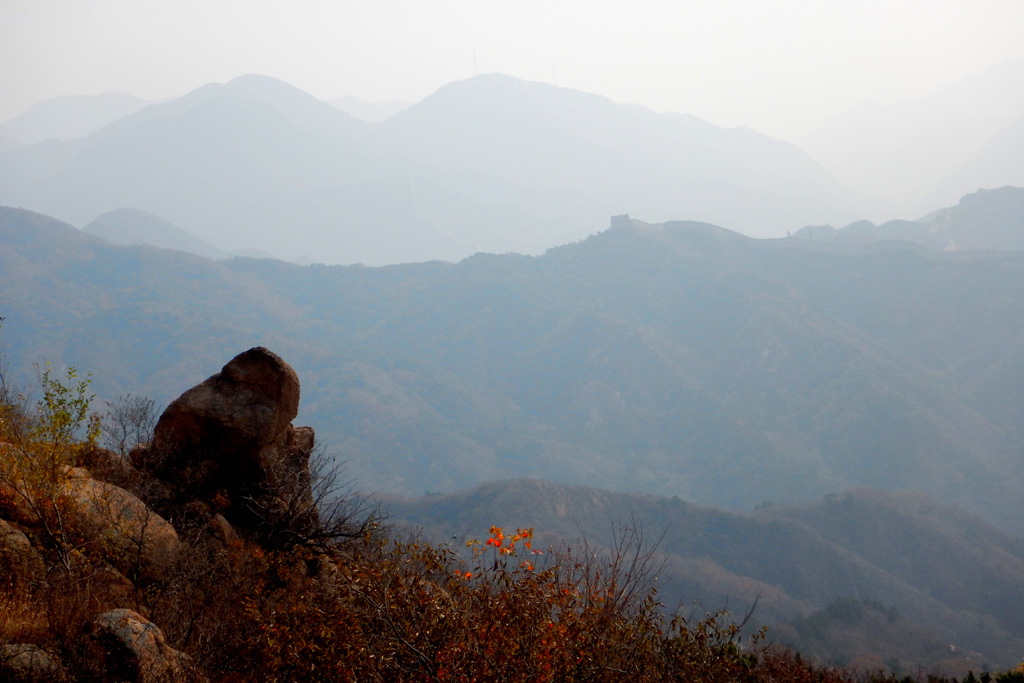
[(341, 599)]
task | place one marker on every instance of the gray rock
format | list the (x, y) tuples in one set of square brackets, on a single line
[(29, 664), (135, 649)]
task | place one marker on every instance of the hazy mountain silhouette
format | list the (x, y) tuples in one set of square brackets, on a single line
[(680, 359), (616, 158), (986, 219), (68, 117), (131, 226), (488, 164)]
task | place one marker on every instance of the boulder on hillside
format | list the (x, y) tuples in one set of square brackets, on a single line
[(134, 649), (241, 409), (117, 525), (232, 435), (106, 465)]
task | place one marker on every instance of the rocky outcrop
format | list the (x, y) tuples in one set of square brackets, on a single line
[(232, 435), (134, 649), (225, 465), (236, 412)]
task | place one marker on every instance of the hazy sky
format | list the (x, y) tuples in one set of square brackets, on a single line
[(779, 66)]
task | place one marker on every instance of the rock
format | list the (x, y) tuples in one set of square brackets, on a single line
[(223, 530), (19, 560), (12, 540), (116, 525), (29, 664), (107, 465), (285, 464), (232, 434), (241, 409), (135, 649), (110, 586), (76, 472)]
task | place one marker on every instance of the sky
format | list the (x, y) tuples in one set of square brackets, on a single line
[(782, 67)]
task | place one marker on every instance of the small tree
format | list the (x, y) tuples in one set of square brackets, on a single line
[(63, 413), (35, 469), (129, 422)]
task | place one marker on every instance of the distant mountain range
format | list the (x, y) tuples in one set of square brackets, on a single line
[(488, 164), (132, 226), (987, 219), (679, 359), (67, 118), (491, 164)]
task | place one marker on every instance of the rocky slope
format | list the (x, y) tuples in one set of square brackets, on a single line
[(225, 463)]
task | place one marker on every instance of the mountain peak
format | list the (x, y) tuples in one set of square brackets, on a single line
[(492, 163), (128, 226), (68, 117)]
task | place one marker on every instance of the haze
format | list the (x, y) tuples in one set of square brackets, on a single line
[(782, 68), (747, 274)]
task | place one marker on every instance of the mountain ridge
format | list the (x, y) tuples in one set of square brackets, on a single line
[(679, 359), (131, 226), (231, 162), (67, 117), (985, 219)]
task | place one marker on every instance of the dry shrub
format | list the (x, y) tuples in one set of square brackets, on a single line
[(20, 620), (412, 611)]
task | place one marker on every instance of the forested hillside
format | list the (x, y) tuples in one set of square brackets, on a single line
[(679, 359)]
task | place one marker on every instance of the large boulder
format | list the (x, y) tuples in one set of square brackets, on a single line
[(233, 435), (243, 408), (135, 649), (114, 524)]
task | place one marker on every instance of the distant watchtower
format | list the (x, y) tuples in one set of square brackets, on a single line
[(620, 221)]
